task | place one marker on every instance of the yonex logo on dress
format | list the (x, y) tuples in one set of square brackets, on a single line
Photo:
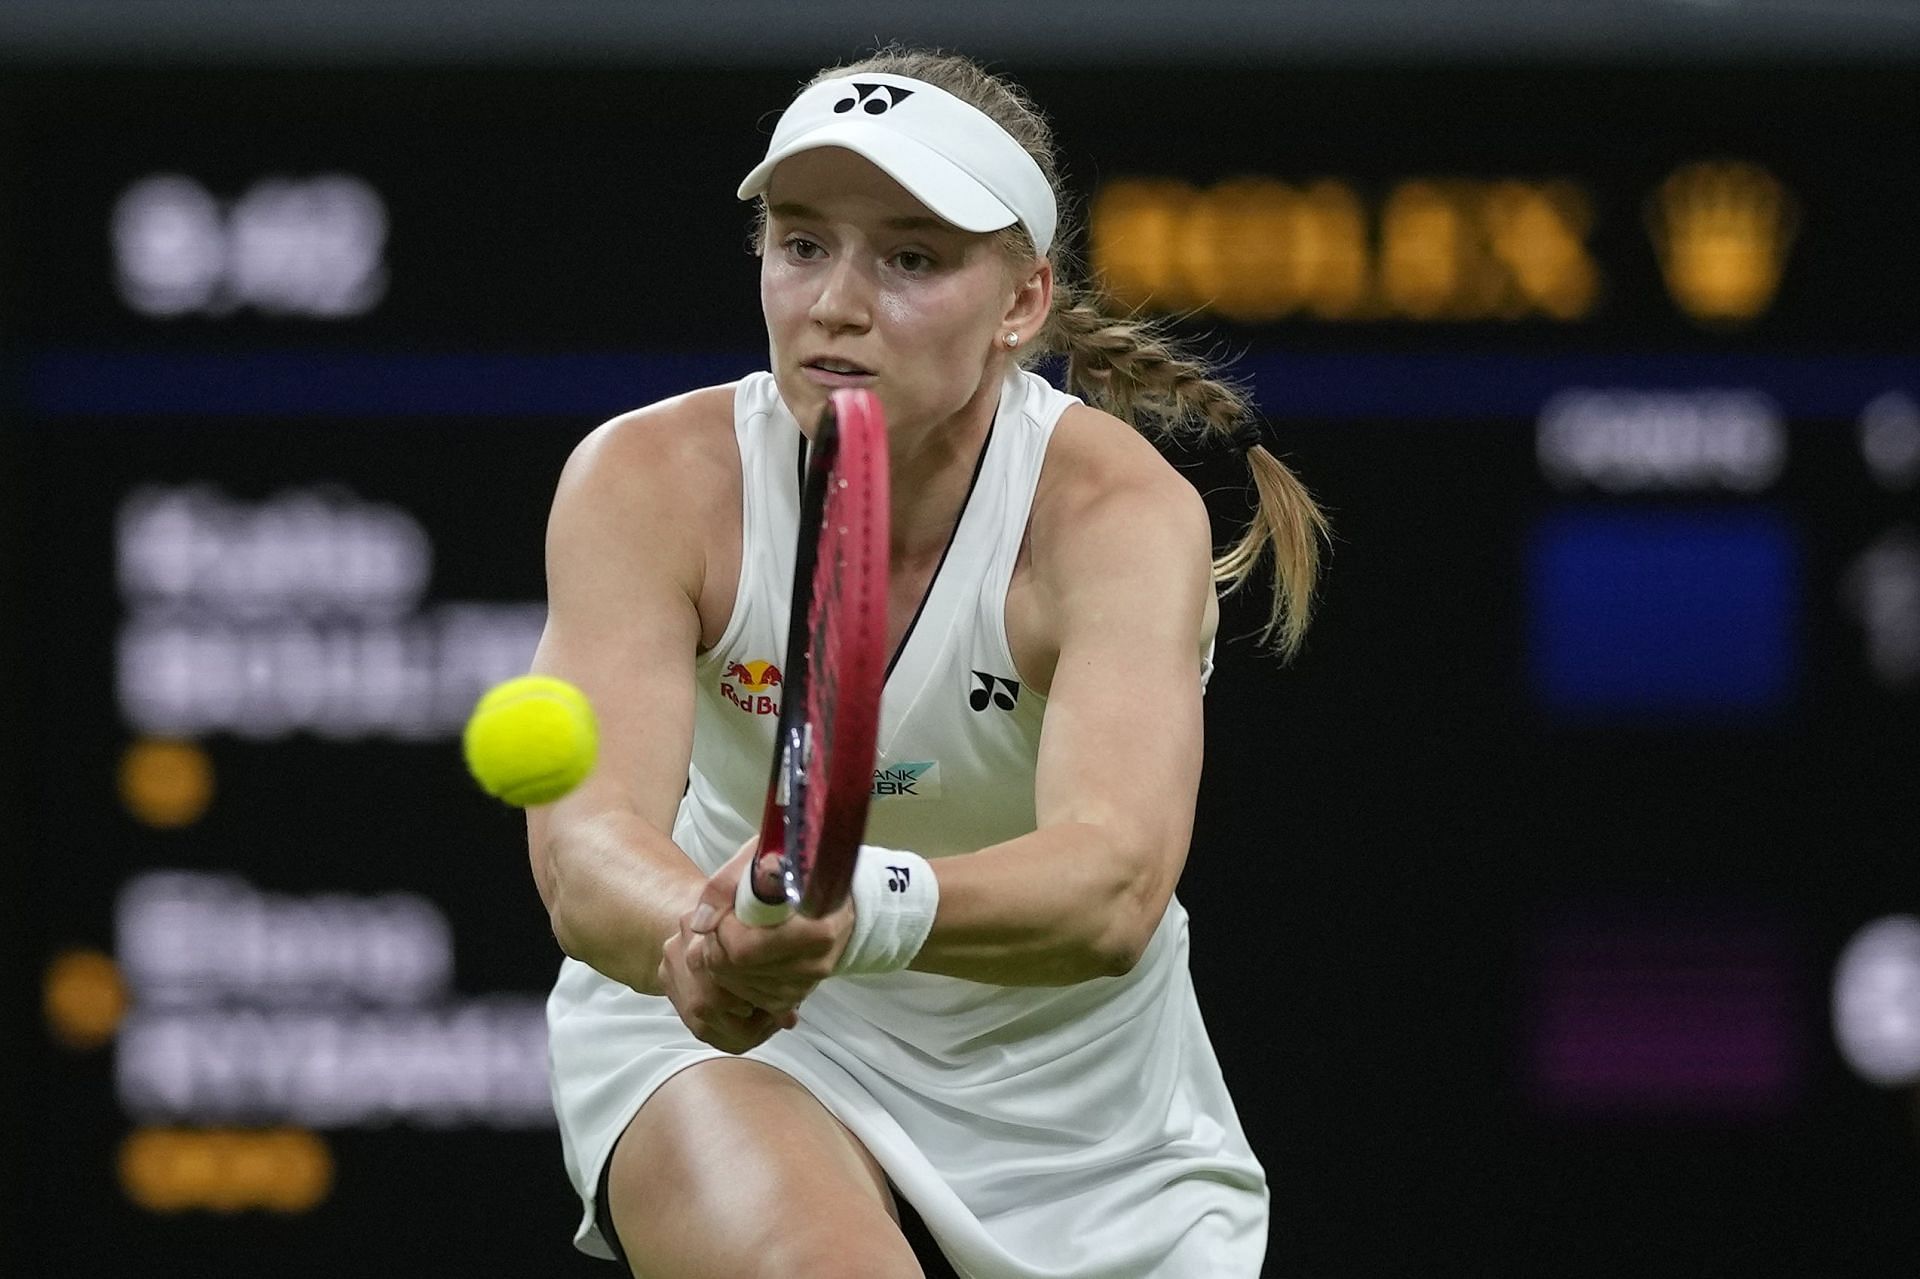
[(864, 98), (1006, 696)]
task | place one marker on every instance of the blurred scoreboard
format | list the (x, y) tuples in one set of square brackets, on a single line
[(1589, 815)]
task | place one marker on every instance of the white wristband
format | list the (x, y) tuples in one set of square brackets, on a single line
[(895, 897)]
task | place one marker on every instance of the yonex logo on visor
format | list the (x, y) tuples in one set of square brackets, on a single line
[(950, 155), (891, 96)]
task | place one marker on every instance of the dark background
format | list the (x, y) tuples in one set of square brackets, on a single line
[(1402, 837)]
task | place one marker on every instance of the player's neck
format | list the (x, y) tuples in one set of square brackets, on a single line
[(932, 477)]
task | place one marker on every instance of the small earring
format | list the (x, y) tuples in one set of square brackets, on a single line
[(1012, 340)]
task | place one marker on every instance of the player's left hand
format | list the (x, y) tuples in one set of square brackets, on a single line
[(773, 968)]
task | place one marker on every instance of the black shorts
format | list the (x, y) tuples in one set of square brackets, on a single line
[(932, 1260)]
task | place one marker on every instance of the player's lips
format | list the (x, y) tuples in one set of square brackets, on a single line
[(832, 372)]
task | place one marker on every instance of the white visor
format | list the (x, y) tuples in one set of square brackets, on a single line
[(951, 156)]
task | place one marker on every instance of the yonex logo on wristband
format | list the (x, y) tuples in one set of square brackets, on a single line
[(865, 98), (895, 897)]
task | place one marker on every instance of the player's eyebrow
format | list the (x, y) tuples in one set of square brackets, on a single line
[(807, 213)]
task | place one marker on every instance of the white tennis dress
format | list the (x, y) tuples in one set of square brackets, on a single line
[(1041, 1132)]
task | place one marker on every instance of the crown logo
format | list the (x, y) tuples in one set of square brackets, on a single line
[(1722, 229)]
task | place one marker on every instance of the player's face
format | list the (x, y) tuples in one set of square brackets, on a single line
[(863, 286)]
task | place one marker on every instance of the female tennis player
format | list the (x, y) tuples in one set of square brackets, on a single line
[(996, 1052)]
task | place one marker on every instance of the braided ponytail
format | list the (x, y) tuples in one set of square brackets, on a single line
[(1124, 367), (1128, 368)]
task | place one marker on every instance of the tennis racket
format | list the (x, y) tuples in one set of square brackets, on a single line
[(816, 810)]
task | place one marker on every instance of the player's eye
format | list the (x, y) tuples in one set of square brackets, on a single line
[(913, 262), (801, 249)]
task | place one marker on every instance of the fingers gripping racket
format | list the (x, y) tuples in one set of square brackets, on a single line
[(816, 810)]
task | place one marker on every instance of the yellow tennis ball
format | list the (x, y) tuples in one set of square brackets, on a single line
[(531, 740)]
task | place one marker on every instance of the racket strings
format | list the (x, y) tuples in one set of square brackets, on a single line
[(825, 635), (843, 613), (839, 617)]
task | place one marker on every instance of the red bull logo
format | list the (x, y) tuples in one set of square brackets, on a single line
[(746, 685)]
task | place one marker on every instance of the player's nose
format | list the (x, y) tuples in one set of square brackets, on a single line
[(845, 300)]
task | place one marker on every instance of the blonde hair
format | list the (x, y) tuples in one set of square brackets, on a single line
[(1128, 368)]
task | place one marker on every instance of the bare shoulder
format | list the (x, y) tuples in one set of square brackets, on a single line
[(675, 446), (1118, 541), (1104, 491), (653, 496)]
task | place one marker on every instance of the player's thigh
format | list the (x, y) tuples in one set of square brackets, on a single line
[(733, 1170)]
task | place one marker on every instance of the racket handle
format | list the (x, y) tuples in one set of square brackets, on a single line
[(751, 909)]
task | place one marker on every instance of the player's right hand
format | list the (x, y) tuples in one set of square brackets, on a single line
[(715, 1015), (775, 967)]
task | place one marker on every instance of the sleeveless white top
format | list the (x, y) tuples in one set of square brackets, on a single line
[(1041, 1132)]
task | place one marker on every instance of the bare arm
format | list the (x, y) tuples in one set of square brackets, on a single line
[(624, 560), (1126, 569)]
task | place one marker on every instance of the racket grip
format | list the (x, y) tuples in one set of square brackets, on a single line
[(749, 907)]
